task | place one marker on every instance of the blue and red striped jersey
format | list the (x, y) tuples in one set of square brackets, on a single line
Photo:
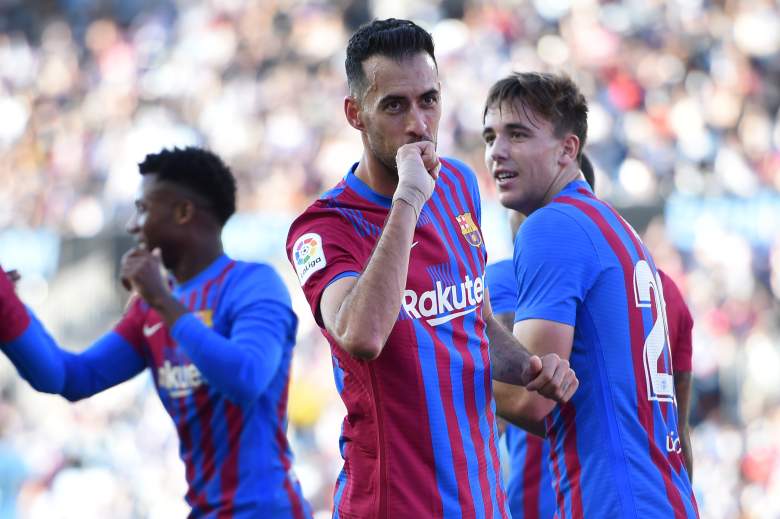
[(234, 446), (529, 487), (615, 449), (680, 321), (420, 437)]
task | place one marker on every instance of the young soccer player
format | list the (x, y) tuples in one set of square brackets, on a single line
[(530, 492), (217, 341), (587, 290)]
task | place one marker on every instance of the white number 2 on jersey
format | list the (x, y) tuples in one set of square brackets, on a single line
[(660, 385)]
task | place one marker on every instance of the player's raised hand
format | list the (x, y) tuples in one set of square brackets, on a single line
[(13, 276), (418, 168), (13, 315), (551, 377), (141, 271)]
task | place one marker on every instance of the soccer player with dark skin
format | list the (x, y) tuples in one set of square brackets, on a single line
[(217, 336), (391, 261), (588, 290)]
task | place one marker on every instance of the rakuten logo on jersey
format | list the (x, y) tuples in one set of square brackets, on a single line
[(179, 380), (445, 303)]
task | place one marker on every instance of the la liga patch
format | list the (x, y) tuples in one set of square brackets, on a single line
[(308, 256)]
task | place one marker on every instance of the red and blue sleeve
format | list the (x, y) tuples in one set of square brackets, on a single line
[(50, 369), (555, 266), (680, 323), (262, 327), (323, 247)]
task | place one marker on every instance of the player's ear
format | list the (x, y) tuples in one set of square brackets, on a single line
[(184, 211), (569, 149), (352, 112)]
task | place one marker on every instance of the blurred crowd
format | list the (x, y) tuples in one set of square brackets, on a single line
[(684, 130)]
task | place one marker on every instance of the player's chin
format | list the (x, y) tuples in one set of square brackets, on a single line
[(508, 198)]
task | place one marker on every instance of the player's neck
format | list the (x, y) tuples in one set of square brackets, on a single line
[(376, 175), (195, 261), (563, 179)]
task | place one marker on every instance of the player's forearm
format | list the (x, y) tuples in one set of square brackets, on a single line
[(522, 408), (687, 451), (682, 389), (508, 358), (370, 310), (241, 367), (50, 369), (37, 358)]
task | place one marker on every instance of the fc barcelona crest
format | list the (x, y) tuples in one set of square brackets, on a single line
[(206, 317), (469, 229)]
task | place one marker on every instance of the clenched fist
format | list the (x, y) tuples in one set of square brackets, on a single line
[(141, 271), (418, 168), (552, 377)]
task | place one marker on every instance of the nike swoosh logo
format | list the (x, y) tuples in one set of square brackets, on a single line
[(151, 330), (413, 244)]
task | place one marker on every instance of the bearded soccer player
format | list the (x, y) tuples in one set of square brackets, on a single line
[(589, 291), (217, 338), (392, 263), (530, 490)]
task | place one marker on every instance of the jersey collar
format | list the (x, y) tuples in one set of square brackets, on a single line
[(209, 272), (362, 189)]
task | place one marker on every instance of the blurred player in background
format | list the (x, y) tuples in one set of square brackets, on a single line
[(392, 263), (587, 290), (217, 337), (530, 490)]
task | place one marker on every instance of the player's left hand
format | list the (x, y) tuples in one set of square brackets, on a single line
[(13, 314), (13, 276), (142, 272), (552, 377)]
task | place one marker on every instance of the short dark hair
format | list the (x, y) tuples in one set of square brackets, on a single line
[(393, 38), (554, 97), (199, 170), (586, 166)]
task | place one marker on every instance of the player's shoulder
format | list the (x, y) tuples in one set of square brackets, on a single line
[(501, 268), (322, 214), (556, 218), (553, 232), (256, 280), (453, 166), (672, 294)]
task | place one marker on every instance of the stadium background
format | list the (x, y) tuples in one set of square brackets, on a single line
[(684, 131)]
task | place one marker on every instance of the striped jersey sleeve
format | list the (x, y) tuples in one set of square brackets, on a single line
[(680, 324), (322, 248)]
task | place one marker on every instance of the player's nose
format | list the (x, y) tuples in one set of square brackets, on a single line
[(132, 226), (498, 150), (417, 124)]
